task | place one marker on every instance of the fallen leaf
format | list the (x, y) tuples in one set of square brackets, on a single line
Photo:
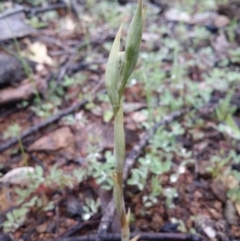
[(139, 117), (59, 139), (221, 21), (5, 204), (221, 45), (133, 106), (42, 227), (203, 18), (12, 70), (22, 92), (38, 52), (230, 212), (18, 176), (237, 206), (229, 181), (176, 15), (13, 25), (219, 190), (209, 231)]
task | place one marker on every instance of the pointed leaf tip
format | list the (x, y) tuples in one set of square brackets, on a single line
[(113, 71), (133, 41)]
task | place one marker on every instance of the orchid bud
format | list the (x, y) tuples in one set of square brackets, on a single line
[(133, 44), (113, 72)]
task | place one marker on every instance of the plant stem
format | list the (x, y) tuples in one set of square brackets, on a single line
[(119, 140), (119, 152)]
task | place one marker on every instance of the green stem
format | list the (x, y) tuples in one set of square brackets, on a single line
[(25, 161), (119, 140), (119, 153)]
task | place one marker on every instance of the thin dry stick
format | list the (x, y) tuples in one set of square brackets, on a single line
[(130, 160), (144, 236)]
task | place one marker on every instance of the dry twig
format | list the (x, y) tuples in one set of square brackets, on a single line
[(143, 236)]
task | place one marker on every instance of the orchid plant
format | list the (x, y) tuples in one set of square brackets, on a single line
[(119, 68)]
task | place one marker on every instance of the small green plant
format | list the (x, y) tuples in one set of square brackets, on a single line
[(224, 109), (230, 128), (33, 2), (45, 110), (34, 195), (14, 130), (90, 208), (156, 186), (217, 164), (170, 193), (235, 55), (231, 29), (156, 191), (200, 34), (35, 23), (99, 170), (15, 219), (139, 177), (119, 68), (234, 193)]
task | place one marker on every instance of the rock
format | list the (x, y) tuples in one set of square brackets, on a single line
[(74, 207), (22, 92), (219, 190), (221, 45), (221, 21), (169, 227), (13, 24), (230, 212), (178, 16), (42, 228), (203, 18), (202, 168), (59, 139), (207, 225), (18, 176), (12, 70), (215, 214)]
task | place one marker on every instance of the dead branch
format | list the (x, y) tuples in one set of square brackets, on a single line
[(32, 11), (143, 236)]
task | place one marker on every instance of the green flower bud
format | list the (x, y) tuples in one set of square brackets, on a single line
[(113, 72), (133, 44)]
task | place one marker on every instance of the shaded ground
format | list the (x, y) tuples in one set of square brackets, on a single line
[(181, 119)]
